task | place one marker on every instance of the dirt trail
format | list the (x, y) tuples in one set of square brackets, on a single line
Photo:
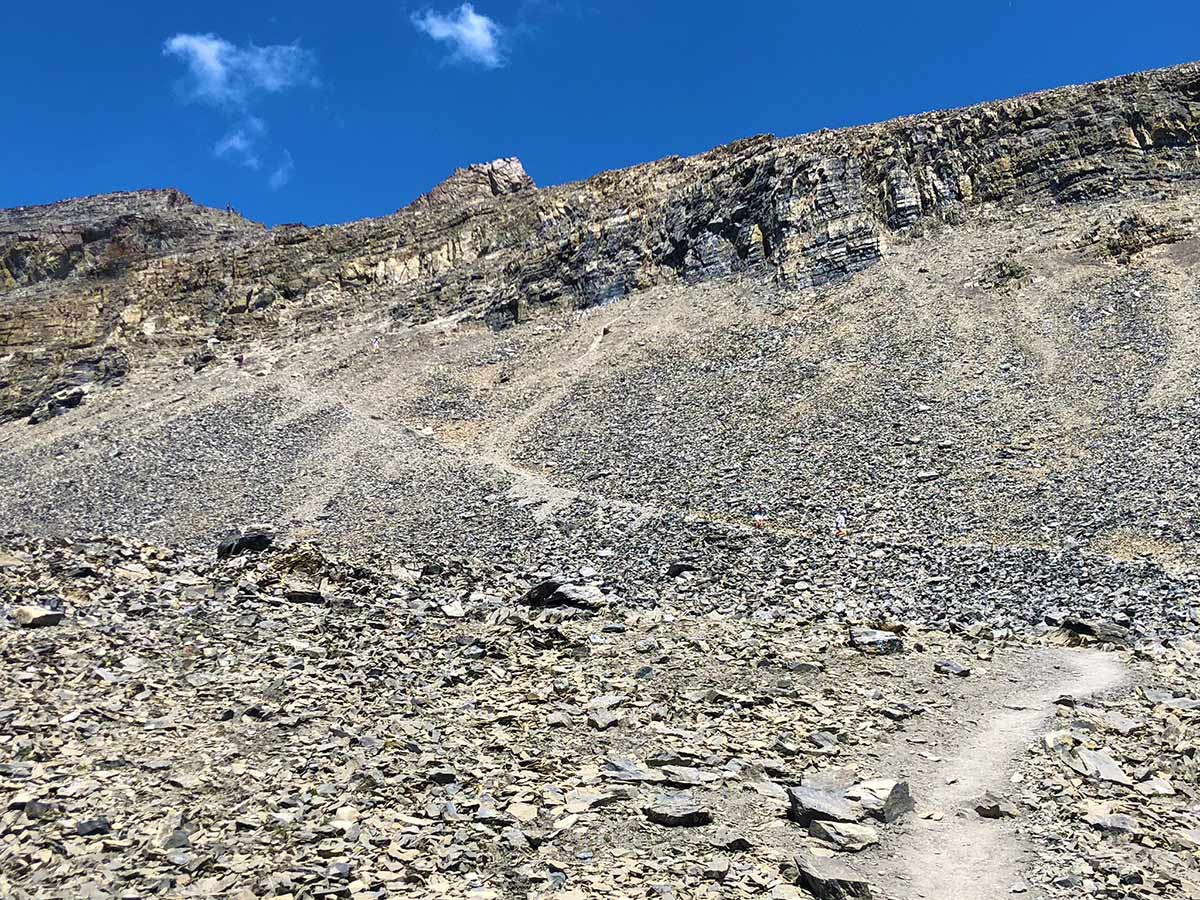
[(599, 338), (556, 381), (965, 856)]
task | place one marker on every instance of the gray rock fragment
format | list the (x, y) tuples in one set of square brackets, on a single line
[(844, 835), (948, 667), (991, 806), (882, 798), (875, 642), (564, 592), (90, 827)]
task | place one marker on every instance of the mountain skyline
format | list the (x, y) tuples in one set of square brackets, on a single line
[(297, 114)]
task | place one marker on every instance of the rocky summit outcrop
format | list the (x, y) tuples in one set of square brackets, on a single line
[(88, 283), (482, 181)]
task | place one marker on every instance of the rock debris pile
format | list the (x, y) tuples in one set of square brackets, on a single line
[(275, 722), (1117, 783)]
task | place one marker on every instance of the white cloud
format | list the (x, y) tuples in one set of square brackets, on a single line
[(474, 37), (241, 144), (230, 78), (223, 74), (283, 172)]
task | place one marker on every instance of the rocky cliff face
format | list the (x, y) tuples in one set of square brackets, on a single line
[(98, 237), (87, 284)]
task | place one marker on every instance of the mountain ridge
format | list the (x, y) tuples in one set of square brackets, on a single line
[(807, 210), (1141, 76)]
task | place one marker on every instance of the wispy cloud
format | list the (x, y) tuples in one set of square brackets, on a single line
[(473, 37), (223, 74), (240, 144), (283, 172), (231, 78)]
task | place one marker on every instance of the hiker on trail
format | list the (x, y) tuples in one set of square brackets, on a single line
[(759, 517), (839, 523)]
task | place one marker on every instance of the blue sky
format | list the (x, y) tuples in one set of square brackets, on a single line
[(315, 112)]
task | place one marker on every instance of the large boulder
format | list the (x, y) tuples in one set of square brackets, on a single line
[(882, 798), (237, 543)]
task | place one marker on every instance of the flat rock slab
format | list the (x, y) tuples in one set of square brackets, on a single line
[(677, 810), (827, 880), (1155, 787), (844, 835), (564, 592), (603, 719), (618, 768), (808, 804), (36, 616), (92, 827), (1100, 764)]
